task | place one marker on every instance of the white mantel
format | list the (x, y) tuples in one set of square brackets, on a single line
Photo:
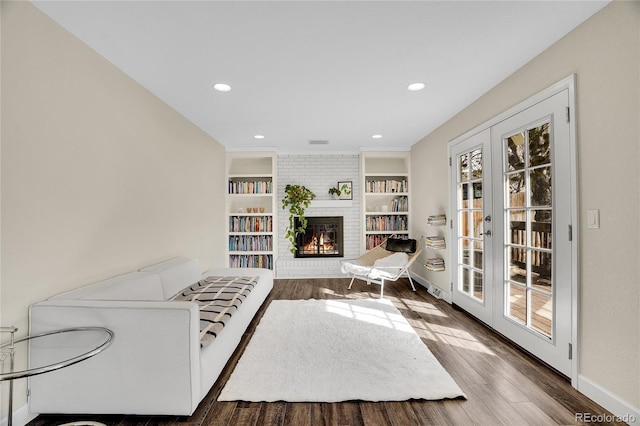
[(339, 204)]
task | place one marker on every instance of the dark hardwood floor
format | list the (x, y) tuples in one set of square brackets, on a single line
[(503, 385)]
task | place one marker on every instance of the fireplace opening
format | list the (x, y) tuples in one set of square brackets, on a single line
[(322, 237)]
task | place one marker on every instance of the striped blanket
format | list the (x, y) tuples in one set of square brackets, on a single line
[(218, 298)]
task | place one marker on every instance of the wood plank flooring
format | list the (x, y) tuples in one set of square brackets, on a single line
[(503, 385)]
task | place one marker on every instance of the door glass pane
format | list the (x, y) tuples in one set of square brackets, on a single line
[(465, 278), (541, 312), (517, 265), (540, 182), (476, 224), (476, 164), (464, 167), (478, 285), (465, 224), (477, 195), (466, 252), (477, 254), (541, 229), (472, 255), (541, 269), (539, 146), (515, 152), (464, 196), (516, 226), (517, 305), (516, 190)]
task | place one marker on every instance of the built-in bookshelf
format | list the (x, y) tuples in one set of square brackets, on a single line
[(385, 196), (435, 263), (251, 209)]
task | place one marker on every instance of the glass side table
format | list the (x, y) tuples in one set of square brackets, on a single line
[(49, 351)]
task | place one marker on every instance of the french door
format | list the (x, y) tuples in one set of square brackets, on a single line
[(472, 273), (511, 193)]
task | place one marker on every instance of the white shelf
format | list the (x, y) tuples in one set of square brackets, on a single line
[(248, 233), (387, 194), (246, 253), (385, 175), (252, 167), (386, 232), (384, 170), (245, 176)]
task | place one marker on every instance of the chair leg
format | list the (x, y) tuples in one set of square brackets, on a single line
[(382, 289), (411, 281), (351, 283)]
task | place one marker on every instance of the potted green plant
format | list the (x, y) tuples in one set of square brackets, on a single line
[(296, 199), (334, 191)]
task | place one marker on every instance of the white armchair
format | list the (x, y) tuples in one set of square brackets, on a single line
[(379, 265)]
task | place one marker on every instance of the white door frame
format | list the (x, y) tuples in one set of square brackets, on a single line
[(568, 83)]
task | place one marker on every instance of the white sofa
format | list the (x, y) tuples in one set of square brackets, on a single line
[(155, 365)]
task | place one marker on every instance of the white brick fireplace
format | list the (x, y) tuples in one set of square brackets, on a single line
[(319, 173)]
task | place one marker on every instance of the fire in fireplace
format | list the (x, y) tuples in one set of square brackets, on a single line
[(322, 237)]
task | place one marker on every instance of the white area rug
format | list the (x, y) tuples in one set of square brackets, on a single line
[(336, 350)]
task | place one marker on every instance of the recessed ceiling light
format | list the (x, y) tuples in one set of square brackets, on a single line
[(222, 87), (259, 136), (414, 87), (377, 136)]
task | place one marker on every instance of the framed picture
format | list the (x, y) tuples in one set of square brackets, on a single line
[(346, 192)]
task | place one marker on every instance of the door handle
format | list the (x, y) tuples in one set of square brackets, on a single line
[(487, 233)]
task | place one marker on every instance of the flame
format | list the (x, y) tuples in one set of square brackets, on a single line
[(319, 242)]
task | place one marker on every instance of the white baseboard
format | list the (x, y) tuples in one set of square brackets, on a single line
[(434, 290), (622, 410), (21, 416)]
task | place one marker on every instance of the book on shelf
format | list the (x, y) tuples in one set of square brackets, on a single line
[(435, 268), (437, 220), (435, 264), (375, 240), (250, 243), (386, 186), (250, 224), (250, 187), (436, 242), (251, 261), (386, 223), (400, 204)]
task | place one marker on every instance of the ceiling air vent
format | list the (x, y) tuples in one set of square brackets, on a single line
[(318, 142)]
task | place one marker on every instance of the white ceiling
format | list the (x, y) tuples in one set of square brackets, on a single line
[(326, 70)]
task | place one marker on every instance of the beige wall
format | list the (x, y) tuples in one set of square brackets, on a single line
[(99, 177), (604, 53)]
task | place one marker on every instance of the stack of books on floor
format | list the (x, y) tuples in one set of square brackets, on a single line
[(437, 220), (436, 242), (435, 264)]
